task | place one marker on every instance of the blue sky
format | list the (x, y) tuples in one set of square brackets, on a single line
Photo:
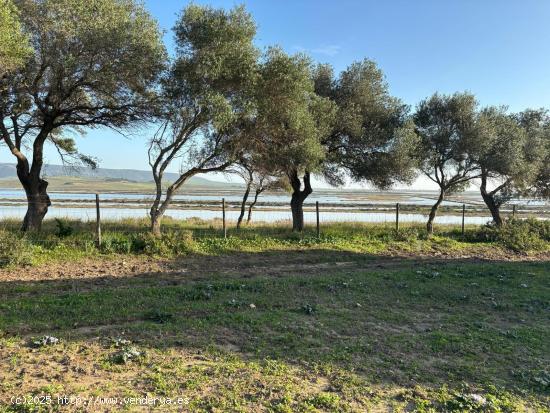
[(499, 50)]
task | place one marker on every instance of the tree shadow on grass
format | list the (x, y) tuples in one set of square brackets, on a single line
[(398, 320)]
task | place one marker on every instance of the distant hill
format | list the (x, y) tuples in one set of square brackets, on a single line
[(7, 171)]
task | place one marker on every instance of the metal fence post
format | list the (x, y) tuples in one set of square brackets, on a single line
[(514, 211), (463, 217), (397, 217), (98, 221), (223, 216), (317, 213)]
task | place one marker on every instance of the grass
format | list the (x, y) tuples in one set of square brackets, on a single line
[(362, 319), (75, 240), (411, 336)]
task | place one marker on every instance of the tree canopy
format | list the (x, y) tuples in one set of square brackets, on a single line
[(372, 137), (536, 123)]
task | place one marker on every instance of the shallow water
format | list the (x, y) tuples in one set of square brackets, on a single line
[(88, 214), (136, 206)]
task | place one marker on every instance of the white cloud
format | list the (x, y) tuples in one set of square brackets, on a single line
[(330, 50)]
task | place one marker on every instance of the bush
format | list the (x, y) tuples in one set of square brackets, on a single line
[(518, 235), (169, 244), (63, 229), (14, 249)]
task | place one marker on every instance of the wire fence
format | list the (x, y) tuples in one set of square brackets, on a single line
[(113, 223), (220, 215)]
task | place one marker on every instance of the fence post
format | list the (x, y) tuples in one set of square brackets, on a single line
[(463, 217), (223, 216), (98, 221), (317, 212), (397, 217), (514, 211)]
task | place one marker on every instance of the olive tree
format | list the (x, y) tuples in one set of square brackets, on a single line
[(508, 157), (93, 64), (290, 123), (205, 99), (447, 126)]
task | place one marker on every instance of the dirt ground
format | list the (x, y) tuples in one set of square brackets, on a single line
[(245, 265)]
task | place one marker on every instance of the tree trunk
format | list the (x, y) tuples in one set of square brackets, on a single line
[(156, 220), (35, 187), (243, 204), (38, 202), (489, 199), (251, 206), (433, 212), (156, 212), (298, 197)]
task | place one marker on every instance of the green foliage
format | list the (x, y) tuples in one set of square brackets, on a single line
[(96, 88), (519, 235), (291, 120), (537, 126), (447, 126), (206, 96), (171, 243), (506, 153), (15, 249), (64, 229), (509, 154), (204, 238), (14, 44), (371, 137)]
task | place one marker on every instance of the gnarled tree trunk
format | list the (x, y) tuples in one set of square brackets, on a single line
[(299, 195), (433, 212), (489, 199), (38, 202), (35, 187)]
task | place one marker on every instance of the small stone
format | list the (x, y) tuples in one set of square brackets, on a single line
[(478, 398), (524, 285)]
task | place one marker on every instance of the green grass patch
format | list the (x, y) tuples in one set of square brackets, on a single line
[(415, 336), (72, 240)]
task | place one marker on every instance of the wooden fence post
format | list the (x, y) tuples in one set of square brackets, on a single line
[(98, 221), (223, 216), (317, 212), (514, 211), (397, 217), (463, 217)]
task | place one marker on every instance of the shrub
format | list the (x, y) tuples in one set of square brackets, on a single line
[(170, 243), (63, 229), (14, 249), (518, 235)]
